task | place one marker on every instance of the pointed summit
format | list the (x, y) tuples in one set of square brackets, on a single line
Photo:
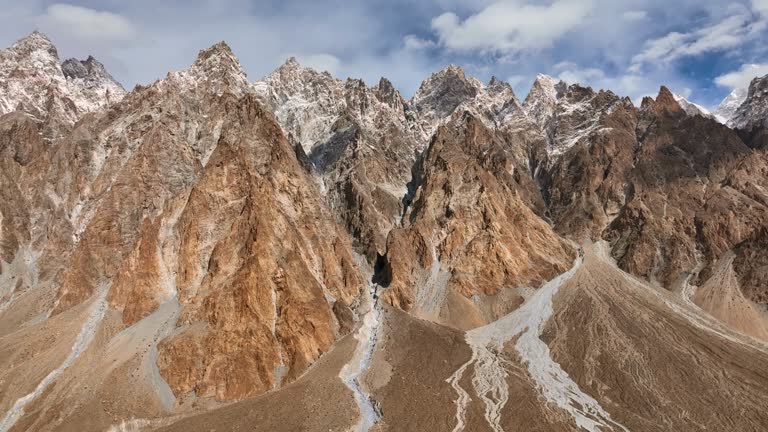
[(32, 80), (292, 62), (388, 94), (665, 101), (443, 91), (218, 67), (495, 82), (543, 86), (753, 112), (35, 42), (541, 100), (727, 108), (691, 108), (217, 53)]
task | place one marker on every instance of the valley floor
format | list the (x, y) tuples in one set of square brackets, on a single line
[(594, 349)]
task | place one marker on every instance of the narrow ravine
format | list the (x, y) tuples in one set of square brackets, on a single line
[(351, 373), (490, 373), (83, 340)]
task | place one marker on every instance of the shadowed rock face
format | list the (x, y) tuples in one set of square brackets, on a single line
[(586, 186), (275, 266), (361, 141), (681, 216), (753, 112)]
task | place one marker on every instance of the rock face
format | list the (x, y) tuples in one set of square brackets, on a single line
[(693, 109), (727, 108), (361, 142), (34, 81), (753, 112), (205, 239), (469, 237), (450, 90), (682, 214), (186, 193)]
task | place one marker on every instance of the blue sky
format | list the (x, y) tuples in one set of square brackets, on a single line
[(699, 48)]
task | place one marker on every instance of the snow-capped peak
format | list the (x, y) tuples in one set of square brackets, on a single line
[(691, 108), (754, 110), (33, 80), (727, 108), (305, 102), (541, 101), (440, 94), (218, 67)]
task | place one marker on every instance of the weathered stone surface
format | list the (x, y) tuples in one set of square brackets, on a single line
[(468, 231)]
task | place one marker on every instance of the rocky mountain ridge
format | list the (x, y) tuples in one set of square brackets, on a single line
[(36, 82), (753, 111), (205, 240)]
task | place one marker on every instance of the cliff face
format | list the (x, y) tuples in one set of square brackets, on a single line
[(469, 235), (685, 211), (186, 193)]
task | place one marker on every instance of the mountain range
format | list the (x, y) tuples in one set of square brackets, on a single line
[(304, 253)]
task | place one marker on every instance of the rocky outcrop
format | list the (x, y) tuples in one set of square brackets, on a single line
[(361, 142), (728, 106), (682, 213), (753, 112), (188, 193), (591, 152), (751, 267), (33, 80), (469, 237), (450, 90)]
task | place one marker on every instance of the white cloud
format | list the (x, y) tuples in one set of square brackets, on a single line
[(742, 77), (760, 6), (635, 15), (731, 32), (87, 23), (415, 43), (320, 62), (585, 76), (507, 26), (636, 86)]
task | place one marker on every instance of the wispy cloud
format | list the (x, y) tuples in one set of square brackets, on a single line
[(733, 31), (88, 24), (743, 76), (509, 26)]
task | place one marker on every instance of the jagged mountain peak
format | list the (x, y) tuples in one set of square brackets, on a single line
[(218, 58), (691, 108), (541, 100), (727, 108), (545, 82), (440, 94), (753, 111), (33, 80), (496, 82), (665, 100), (291, 62), (35, 42), (217, 68), (90, 67)]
